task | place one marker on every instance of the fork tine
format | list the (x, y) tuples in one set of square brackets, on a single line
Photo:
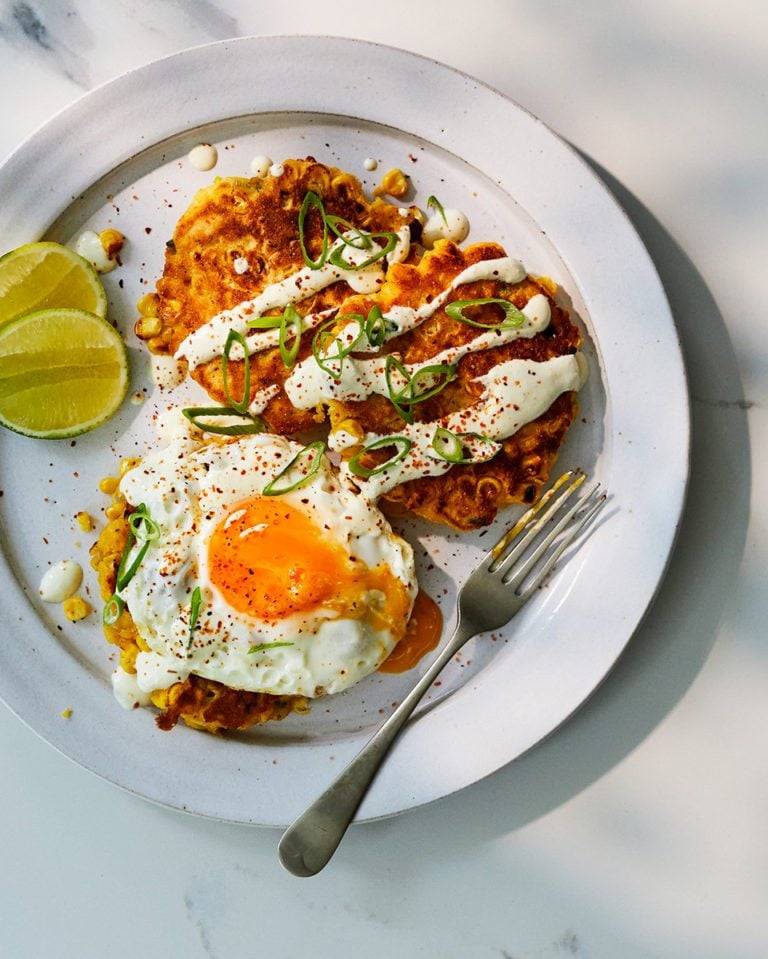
[(568, 537), (510, 547)]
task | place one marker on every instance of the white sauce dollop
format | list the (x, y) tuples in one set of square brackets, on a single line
[(260, 165), (89, 247), (454, 227), (61, 581), (127, 692), (277, 169), (203, 157)]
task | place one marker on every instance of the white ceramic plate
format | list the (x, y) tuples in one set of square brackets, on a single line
[(118, 157)]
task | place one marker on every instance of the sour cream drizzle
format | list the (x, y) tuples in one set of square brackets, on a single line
[(309, 385), (516, 392), (209, 340)]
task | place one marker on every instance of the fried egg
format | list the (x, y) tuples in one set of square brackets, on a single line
[(300, 593)]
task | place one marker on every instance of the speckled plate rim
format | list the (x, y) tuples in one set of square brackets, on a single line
[(471, 734)]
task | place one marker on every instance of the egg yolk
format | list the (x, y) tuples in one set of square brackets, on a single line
[(425, 627), (269, 560)]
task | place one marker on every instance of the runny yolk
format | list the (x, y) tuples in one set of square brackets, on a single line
[(269, 560), (422, 634)]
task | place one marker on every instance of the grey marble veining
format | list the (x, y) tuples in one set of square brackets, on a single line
[(51, 32), (69, 38)]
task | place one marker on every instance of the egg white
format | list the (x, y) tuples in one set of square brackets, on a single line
[(187, 487)]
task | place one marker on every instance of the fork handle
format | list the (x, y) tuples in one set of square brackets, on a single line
[(308, 844)]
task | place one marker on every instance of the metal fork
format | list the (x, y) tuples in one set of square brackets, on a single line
[(497, 588)]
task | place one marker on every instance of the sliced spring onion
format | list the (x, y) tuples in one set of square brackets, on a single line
[(442, 372), (375, 327), (403, 445), (125, 573), (324, 337), (290, 350), (262, 646), (307, 461), (434, 202), (360, 240), (194, 611), (417, 387), (513, 318), (265, 322), (143, 526), (113, 609), (251, 424), (393, 363), (241, 406), (447, 445), (312, 199), (337, 256), (378, 327)]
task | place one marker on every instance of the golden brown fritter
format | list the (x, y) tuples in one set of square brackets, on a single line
[(255, 220), (467, 496)]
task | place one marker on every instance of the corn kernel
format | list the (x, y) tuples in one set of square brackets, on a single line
[(76, 608), (394, 183), (112, 241), (109, 484), (148, 304), (114, 511), (147, 326), (66, 713), (84, 521)]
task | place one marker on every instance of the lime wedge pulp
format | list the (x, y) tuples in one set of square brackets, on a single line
[(45, 275), (62, 372)]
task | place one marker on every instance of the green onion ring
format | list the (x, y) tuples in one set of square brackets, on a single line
[(403, 444), (377, 326), (124, 576), (322, 336), (446, 370), (292, 317), (336, 256), (255, 424), (312, 199), (315, 452), (433, 201), (113, 609), (143, 527), (406, 398), (513, 318), (447, 445), (390, 363), (240, 405), (364, 238)]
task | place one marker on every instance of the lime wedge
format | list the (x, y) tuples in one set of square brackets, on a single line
[(62, 372), (40, 276)]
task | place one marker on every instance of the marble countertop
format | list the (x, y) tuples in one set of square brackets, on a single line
[(638, 830)]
